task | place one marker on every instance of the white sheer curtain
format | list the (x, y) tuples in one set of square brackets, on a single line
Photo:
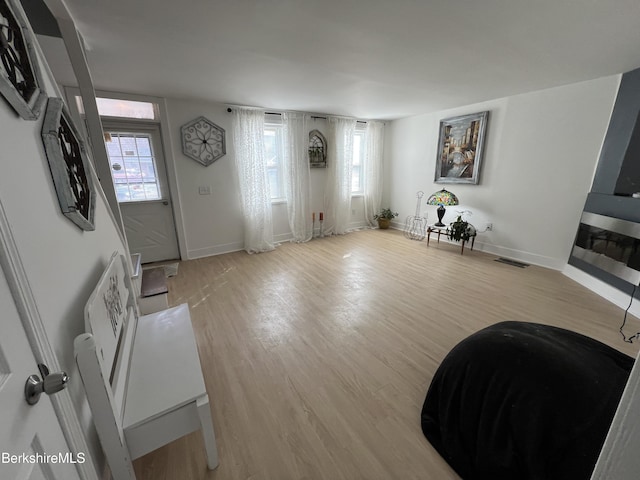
[(337, 192), (374, 141), (248, 142), (296, 174)]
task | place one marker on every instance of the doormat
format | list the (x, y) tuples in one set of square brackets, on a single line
[(171, 270), (513, 263)]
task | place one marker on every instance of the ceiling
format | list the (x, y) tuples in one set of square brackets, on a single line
[(380, 59)]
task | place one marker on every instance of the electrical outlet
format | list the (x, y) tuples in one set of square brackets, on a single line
[(204, 190), (489, 227)]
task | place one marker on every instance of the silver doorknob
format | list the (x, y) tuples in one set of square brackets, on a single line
[(50, 384)]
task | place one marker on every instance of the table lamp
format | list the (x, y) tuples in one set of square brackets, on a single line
[(442, 198)]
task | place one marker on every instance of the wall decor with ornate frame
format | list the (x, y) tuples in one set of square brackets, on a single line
[(20, 80), (69, 165), (203, 141), (317, 149), (460, 148)]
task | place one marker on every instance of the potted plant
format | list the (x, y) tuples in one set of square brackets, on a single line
[(384, 217), (460, 230)]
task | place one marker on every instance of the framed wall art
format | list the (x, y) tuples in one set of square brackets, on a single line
[(460, 148), (203, 141), (317, 150), (20, 81), (69, 165)]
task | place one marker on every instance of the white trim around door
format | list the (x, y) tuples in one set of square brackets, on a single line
[(20, 287)]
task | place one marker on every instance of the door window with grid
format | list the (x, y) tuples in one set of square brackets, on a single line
[(133, 166)]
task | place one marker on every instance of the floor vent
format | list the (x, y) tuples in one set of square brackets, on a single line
[(512, 262)]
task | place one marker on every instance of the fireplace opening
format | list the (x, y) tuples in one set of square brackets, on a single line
[(610, 244)]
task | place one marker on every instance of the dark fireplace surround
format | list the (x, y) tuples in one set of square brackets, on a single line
[(607, 243)]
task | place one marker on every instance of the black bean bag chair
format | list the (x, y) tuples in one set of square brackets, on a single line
[(524, 401)]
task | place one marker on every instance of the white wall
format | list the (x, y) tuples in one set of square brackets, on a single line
[(62, 262), (540, 156), (213, 223)]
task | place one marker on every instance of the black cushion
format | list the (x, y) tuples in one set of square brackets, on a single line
[(524, 401)]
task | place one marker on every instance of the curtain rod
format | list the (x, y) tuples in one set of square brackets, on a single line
[(229, 109)]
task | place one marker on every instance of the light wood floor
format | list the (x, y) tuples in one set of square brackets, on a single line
[(317, 356)]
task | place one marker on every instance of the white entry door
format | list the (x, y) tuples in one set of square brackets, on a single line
[(140, 180), (30, 436)]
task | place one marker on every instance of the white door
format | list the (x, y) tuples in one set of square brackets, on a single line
[(140, 180), (28, 434)]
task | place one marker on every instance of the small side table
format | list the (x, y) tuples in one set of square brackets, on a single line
[(445, 230)]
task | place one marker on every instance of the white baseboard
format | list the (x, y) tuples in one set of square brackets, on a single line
[(606, 291), (513, 254), (232, 247), (214, 250), (353, 226), (358, 225), (521, 256), (283, 238)]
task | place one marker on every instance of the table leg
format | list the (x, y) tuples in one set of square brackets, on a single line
[(204, 413)]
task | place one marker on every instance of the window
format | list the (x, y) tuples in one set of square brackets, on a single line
[(357, 183), (273, 147), (115, 107), (133, 166), (274, 155)]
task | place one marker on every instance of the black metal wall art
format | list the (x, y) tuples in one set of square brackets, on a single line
[(20, 80), (203, 141), (69, 165)]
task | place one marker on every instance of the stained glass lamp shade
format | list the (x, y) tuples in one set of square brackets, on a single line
[(442, 198)]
